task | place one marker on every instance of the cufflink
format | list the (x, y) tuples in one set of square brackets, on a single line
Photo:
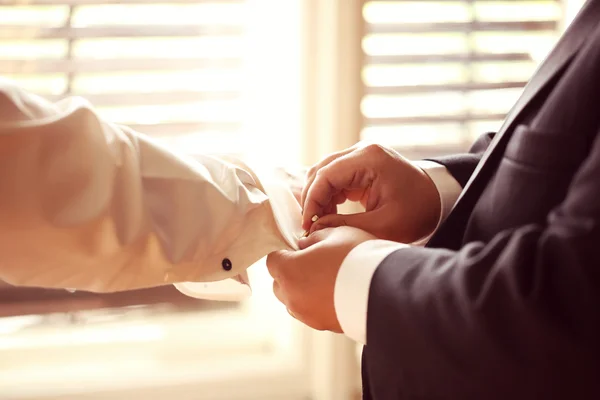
[(314, 219), (226, 264)]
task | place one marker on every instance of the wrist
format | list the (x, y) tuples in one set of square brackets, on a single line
[(430, 204)]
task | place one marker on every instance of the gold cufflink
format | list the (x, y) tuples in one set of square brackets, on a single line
[(314, 219)]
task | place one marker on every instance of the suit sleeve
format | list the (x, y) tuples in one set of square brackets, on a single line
[(89, 205), (461, 166), (498, 319)]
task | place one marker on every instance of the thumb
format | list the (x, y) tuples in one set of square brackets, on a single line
[(366, 221), (279, 261)]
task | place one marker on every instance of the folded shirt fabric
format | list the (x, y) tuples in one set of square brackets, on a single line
[(90, 205), (288, 217)]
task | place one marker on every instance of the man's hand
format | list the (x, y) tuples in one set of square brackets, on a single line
[(304, 280), (401, 202)]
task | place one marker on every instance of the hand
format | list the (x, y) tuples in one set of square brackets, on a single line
[(401, 202), (304, 280)]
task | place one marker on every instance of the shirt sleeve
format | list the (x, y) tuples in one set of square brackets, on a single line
[(351, 292), (90, 205)]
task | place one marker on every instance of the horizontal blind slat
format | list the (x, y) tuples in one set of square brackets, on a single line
[(152, 98), (474, 26), (116, 31), (399, 90), (457, 1), (441, 119), (74, 66), (102, 2), (185, 128), (444, 58)]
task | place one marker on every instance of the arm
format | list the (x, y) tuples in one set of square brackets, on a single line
[(498, 317), (90, 205)]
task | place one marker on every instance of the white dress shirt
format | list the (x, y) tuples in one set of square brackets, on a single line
[(351, 294), (90, 205)]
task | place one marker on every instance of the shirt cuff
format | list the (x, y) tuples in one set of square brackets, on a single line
[(448, 189), (351, 292), (234, 289), (288, 218)]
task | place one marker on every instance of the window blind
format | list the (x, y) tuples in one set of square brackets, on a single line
[(171, 69), (439, 73)]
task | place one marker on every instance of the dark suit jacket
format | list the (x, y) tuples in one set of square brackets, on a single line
[(504, 301)]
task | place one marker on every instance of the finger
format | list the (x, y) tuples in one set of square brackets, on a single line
[(276, 261), (330, 209), (313, 239), (347, 173), (311, 173), (367, 221), (339, 198)]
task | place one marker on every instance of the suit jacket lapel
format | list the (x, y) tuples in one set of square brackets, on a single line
[(565, 49)]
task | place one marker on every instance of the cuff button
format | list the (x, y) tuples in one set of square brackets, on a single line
[(226, 264)]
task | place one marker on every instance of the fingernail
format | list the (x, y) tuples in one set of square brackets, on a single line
[(315, 218)]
